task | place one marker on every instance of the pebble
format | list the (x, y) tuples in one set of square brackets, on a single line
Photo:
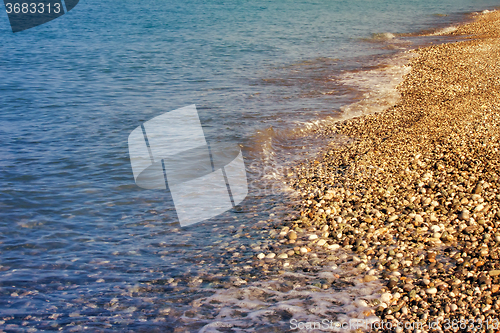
[(431, 291), (321, 242), (418, 218), (292, 235), (361, 266), (386, 297), (494, 272), (435, 228), (392, 218), (271, 255), (313, 236), (464, 215), (369, 278), (261, 256)]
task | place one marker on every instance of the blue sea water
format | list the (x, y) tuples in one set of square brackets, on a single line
[(78, 239)]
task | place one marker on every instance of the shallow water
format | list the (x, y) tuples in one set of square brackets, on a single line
[(81, 245)]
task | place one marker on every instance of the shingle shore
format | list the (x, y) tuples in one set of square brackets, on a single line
[(416, 191)]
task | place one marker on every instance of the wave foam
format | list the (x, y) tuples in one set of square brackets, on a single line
[(444, 31), (265, 304)]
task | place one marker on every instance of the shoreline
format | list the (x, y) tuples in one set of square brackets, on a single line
[(413, 194)]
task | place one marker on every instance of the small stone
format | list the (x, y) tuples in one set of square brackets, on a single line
[(292, 235), (495, 288), (435, 228), (261, 256), (407, 287), (313, 236), (321, 242), (271, 255), (418, 218), (453, 307), (334, 247), (362, 266), (479, 208), (478, 189), (392, 218), (283, 256), (494, 272), (385, 297), (369, 278), (464, 215), (303, 250), (431, 291), (431, 256)]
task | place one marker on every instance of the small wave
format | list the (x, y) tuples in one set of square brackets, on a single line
[(379, 86), (445, 31), (383, 36)]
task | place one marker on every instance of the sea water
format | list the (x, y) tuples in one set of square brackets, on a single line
[(82, 247)]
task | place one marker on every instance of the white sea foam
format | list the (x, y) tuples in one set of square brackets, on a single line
[(262, 305), (383, 36), (378, 86), (444, 31)]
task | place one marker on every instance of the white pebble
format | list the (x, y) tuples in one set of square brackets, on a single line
[(432, 291), (385, 297), (418, 218), (361, 303), (435, 228), (334, 247), (392, 218)]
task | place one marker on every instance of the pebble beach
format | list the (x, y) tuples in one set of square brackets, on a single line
[(411, 194)]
